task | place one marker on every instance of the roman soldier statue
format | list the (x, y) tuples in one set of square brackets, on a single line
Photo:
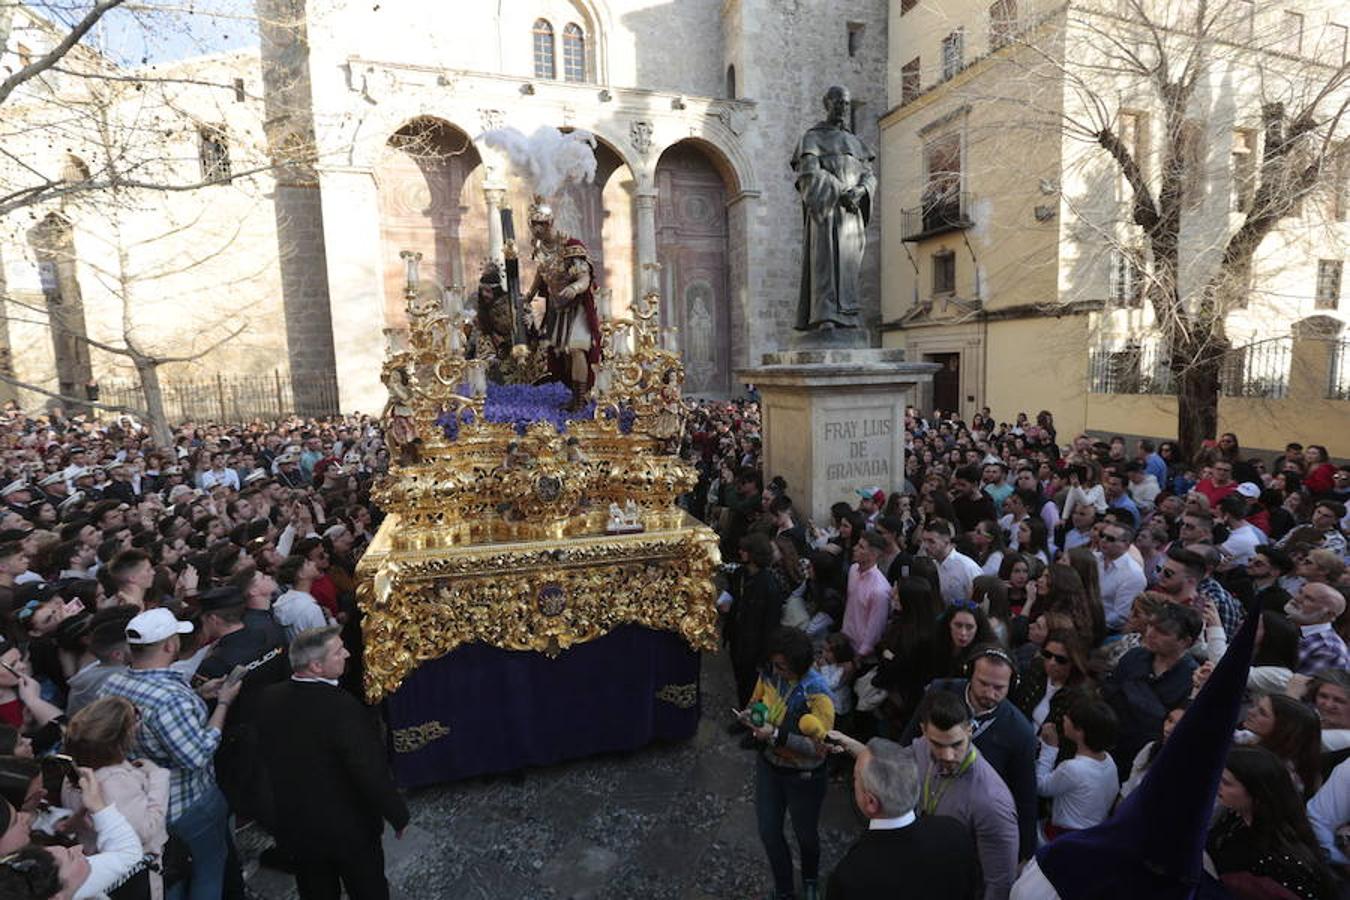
[(565, 278)]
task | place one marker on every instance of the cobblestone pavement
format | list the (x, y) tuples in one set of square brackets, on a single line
[(668, 822)]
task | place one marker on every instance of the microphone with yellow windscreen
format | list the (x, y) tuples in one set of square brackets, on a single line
[(812, 727)]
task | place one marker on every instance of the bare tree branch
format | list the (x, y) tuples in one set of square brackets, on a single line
[(64, 398), (161, 360), (52, 190), (1145, 209), (60, 49)]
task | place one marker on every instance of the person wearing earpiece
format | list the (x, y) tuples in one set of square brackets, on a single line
[(1004, 736), (957, 781)]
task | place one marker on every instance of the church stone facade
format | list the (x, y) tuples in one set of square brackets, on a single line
[(696, 106)]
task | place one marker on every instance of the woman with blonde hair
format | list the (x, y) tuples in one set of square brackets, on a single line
[(99, 737)]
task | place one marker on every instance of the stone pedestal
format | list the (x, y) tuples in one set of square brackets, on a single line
[(834, 421)]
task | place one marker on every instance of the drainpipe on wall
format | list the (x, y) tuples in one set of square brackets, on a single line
[(983, 399)]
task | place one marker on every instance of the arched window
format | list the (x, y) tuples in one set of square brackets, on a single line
[(574, 53), (544, 66), (731, 82), (74, 169)]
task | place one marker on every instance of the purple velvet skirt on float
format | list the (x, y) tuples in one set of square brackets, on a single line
[(480, 709)]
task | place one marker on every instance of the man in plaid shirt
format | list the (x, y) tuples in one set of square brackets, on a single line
[(1313, 609), (176, 733), (1231, 613), (1184, 576)]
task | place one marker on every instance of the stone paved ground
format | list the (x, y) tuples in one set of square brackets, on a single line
[(669, 822)]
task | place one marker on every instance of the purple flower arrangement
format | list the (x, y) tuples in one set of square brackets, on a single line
[(521, 405)]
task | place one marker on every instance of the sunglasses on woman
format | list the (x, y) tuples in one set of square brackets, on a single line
[(1047, 656)]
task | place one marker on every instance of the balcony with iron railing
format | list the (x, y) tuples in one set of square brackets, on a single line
[(939, 214), (1259, 370), (1338, 385)]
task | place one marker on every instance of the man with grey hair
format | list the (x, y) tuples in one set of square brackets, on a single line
[(330, 781), (900, 855), (1320, 647)]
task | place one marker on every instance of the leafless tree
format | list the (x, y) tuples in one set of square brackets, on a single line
[(1302, 125), (1089, 71), (84, 138), (38, 94)]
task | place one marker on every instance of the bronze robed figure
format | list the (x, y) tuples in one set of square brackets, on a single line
[(837, 188)]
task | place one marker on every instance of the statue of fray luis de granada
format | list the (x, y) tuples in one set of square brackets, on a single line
[(837, 188)]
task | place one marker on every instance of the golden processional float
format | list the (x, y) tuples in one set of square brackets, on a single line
[(515, 524)]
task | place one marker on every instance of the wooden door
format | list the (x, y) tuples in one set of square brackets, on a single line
[(691, 245), (946, 381)]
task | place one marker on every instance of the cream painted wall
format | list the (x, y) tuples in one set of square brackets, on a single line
[(1037, 364), (919, 33), (1012, 258), (1260, 424), (1005, 106)]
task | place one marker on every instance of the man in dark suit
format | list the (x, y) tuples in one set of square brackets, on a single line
[(330, 781), (932, 858)]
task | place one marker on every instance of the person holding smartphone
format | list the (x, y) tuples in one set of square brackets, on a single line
[(176, 732), (99, 738), (41, 872), (790, 773)]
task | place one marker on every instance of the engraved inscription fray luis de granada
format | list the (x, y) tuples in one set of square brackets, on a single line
[(851, 451)]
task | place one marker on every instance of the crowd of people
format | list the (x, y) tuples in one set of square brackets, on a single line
[(179, 656), (1009, 636), (993, 651)]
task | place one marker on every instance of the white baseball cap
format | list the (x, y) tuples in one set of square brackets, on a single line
[(1249, 490), (14, 487), (155, 625)]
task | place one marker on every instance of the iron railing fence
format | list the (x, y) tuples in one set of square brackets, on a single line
[(233, 398), (1253, 370)]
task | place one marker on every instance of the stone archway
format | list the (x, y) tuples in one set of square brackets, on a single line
[(599, 213), (425, 207), (692, 248)]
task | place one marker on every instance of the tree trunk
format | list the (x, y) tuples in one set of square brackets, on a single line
[(148, 371), (1197, 378)]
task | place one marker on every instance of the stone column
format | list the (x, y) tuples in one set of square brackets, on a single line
[(644, 201), (494, 195), (355, 272)]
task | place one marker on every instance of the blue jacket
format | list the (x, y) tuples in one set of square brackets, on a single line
[(1141, 701)]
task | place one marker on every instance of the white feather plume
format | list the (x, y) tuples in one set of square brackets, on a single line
[(547, 159)]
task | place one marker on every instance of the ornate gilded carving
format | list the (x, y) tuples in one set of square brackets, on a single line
[(500, 537), (415, 737), (682, 696), (542, 596)]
